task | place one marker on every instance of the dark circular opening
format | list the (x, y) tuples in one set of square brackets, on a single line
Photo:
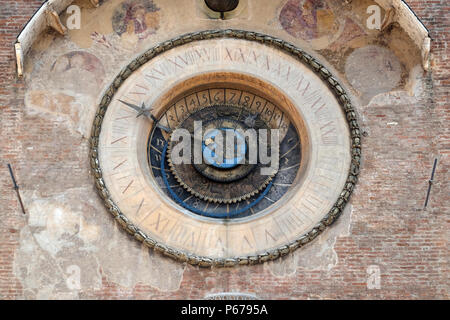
[(222, 5)]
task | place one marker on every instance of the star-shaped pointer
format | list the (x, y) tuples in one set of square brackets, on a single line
[(144, 111)]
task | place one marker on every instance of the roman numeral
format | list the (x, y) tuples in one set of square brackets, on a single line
[(117, 140), (159, 223), (127, 187), (329, 136), (178, 65), (120, 164), (153, 76), (269, 235)]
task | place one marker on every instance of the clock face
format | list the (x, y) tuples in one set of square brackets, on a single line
[(230, 187), (224, 148)]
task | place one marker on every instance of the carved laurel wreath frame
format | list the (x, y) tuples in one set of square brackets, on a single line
[(203, 261)]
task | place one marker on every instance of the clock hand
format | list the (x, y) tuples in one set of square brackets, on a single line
[(158, 125), (133, 106), (144, 111), (209, 141)]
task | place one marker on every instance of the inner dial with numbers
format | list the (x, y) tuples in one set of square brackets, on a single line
[(232, 189), (223, 211)]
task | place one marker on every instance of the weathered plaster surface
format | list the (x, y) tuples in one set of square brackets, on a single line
[(319, 255), (68, 230)]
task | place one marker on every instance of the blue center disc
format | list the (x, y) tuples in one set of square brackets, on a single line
[(224, 161)]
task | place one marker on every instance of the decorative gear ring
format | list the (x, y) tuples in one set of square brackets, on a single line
[(209, 183)]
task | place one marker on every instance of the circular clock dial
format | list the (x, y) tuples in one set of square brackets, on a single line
[(224, 187), (223, 210)]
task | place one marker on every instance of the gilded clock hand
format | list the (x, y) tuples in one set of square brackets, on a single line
[(144, 111), (209, 141)]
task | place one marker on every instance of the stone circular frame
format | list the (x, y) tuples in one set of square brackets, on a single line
[(354, 152)]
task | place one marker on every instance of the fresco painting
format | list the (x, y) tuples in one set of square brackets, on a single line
[(308, 19), (136, 19), (84, 67)]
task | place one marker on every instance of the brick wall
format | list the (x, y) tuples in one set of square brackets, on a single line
[(388, 228), (13, 16)]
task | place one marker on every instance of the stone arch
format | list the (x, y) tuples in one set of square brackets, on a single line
[(48, 16)]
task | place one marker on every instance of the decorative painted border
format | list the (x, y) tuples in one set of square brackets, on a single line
[(202, 261)]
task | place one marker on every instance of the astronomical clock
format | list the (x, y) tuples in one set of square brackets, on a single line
[(222, 150), (225, 209)]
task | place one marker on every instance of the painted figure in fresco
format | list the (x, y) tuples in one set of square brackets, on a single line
[(307, 19), (85, 69), (136, 18)]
